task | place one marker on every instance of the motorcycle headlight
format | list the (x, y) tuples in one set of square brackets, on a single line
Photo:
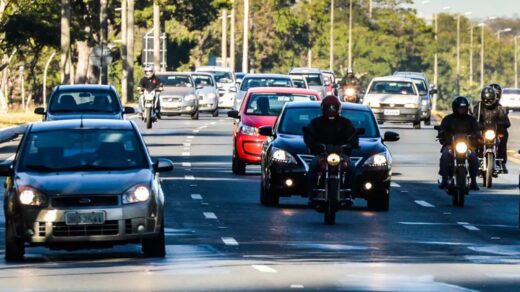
[(31, 197), (490, 135), (333, 159), (282, 156), (136, 194), (248, 130), (461, 147), (410, 105), (189, 97), (350, 91), (377, 160)]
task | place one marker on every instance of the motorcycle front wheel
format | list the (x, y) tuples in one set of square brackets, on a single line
[(488, 177), (332, 198), (460, 188), (148, 118)]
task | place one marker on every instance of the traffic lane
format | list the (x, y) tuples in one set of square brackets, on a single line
[(295, 228), (514, 136)]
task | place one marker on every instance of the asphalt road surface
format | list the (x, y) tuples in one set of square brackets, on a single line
[(219, 237)]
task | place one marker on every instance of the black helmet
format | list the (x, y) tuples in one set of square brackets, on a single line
[(497, 88), (459, 102), (488, 95), (331, 107)]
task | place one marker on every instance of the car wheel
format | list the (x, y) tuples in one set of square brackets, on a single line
[(14, 247), (215, 113), (195, 115), (379, 202), (272, 199), (417, 125), (155, 247), (428, 121), (238, 166)]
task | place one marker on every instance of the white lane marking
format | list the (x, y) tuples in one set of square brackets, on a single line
[(229, 241), (190, 137), (395, 185), (212, 123), (468, 226), (425, 223), (186, 148), (297, 286), (210, 215), (186, 164), (196, 196), (189, 177), (196, 131), (187, 144), (185, 154), (447, 213), (264, 269), (424, 204), (495, 238), (193, 185), (221, 120), (203, 127)]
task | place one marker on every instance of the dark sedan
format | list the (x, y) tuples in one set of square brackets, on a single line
[(88, 101), (82, 183), (285, 159)]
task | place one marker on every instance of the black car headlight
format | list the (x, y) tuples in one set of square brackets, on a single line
[(137, 194), (31, 197), (282, 156), (378, 160)]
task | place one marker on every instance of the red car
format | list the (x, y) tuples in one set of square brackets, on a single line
[(260, 107)]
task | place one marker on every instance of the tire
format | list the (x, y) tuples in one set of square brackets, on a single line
[(380, 122), (488, 178), (271, 198), (195, 115), (148, 118), (155, 247), (14, 247), (417, 125), (460, 188), (238, 166), (428, 121), (215, 113), (329, 215), (380, 204)]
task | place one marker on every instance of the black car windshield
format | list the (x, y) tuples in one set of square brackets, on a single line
[(312, 79), (271, 104), (392, 87), (421, 86), (294, 119), (252, 82), (175, 80), (203, 80), (511, 91), (85, 149), (84, 100), (299, 83)]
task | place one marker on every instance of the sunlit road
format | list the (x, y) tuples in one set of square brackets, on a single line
[(219, 237)]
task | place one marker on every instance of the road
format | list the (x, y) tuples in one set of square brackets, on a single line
[(220, 238)]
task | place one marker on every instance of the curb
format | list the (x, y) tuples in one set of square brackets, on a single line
[(10, 133)]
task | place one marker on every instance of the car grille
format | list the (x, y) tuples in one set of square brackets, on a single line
[(85, 201), (391, 105), (128, 226), (60, 229), (171, 98), (41, 229), (307, 159)]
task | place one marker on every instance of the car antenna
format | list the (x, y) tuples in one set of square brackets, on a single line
[(81, 125)]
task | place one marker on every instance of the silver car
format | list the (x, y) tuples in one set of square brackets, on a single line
[(314, 77), (225, 82), (207, 92), (180, 96)]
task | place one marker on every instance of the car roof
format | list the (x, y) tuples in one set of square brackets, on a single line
[(420, 74), (305, 70), (173, 73), (201, 73), (317, 104), (267, 75), (283, 90), (81, 123), (85, 87), (393, 78), (213, 68)]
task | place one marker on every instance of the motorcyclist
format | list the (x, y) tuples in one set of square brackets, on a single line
[(349, 81), (460, 122), (328, 129), (489, 112), (149, 83)]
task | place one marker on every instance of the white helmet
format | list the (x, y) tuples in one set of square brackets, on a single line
[(149, 68)]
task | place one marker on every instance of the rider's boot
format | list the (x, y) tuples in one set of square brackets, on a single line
[(474, 185), (504, 168), (444, 183)]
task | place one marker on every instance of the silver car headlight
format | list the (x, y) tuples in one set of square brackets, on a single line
[(137, 194), (282, 156), (31, 197), (410, 105), (248, 130), (378, 160), (190, 97), (424, 102)]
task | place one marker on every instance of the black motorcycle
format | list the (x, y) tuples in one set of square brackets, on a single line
[(331, 194), (149, 106), (490, 165)]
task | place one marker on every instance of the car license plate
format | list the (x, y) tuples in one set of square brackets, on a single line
[(77, 218), (391, 112)]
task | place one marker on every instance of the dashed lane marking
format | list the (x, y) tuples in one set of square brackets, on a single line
[(229, 241), (190, 137), (468, 226), (196, 131), (395, 185), (187, 144), (185, 154), (495, 238), (424, 204), (196, 196), (297, 286), (193, 186), (186, 164), (210, 215), (264, 269), (189, 177), (212, 123)]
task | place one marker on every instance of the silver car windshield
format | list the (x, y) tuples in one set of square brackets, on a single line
[(253, 82), (78, 101), (392, 87), (86, 149)]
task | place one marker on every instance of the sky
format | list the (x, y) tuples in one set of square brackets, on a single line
[(479, 8)]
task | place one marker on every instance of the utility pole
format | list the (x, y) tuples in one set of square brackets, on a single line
[(130, 48), (103, 78), (65, 42), (245, 41), (124, 27), (370, 7), (482, 55), (22, 86), (45, 78), (157, 36), (350, 36), (471, 56), (223, 46), (331, 41), (435, 63), (516, 60), (309, 49), (458, 54), (232, 39)]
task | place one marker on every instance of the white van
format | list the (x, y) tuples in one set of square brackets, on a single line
[(511, 98), (394, 99)]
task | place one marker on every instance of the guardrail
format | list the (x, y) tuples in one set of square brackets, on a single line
[(10, 133)]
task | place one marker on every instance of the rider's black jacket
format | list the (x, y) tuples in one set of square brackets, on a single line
[(150, 84), (339, 131), (495, 115), (455, 124)]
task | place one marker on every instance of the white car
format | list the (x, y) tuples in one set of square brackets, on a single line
[(225, 82), (511, 98)]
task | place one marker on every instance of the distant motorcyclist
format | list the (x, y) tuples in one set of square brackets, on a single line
[(149, 83), (489, 112), (460, 122), (328, 129)]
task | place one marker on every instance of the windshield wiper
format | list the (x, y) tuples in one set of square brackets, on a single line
[(92, 110), (37, 167), (62, 110), (94, 167)]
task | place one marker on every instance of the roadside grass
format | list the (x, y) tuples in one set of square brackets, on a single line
[(18, 118)]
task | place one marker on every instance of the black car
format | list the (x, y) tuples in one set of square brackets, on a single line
[(285, 159), (88, 101), (83, 183)]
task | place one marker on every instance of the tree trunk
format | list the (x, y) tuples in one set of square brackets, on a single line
[(82, 67), (124, 79), (103, 33), (157, 35), (65, 42), (130, 49)]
